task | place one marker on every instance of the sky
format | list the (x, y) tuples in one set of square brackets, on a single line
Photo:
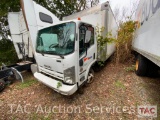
[(119, 3)]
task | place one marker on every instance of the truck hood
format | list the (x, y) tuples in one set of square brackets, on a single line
[(54, 65), (50, 63)]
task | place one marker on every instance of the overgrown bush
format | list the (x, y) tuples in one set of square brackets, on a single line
[(7, 52), (101, 43), (124, 42)]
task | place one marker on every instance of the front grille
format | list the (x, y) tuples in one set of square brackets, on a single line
[(55, 78), (53, 74)]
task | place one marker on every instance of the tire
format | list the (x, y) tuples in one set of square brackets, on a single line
[(152, 69), (141, 66), (2, 85), (90, 77), (97, 67)]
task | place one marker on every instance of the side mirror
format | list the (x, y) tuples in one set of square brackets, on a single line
[(88, 36)]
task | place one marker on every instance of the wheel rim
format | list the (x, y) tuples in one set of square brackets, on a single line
[(137, 64), (90, 77)]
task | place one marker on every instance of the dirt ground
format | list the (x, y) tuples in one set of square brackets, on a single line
[(115, 94)]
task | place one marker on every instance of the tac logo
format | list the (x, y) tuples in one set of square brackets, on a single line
[(147, 111)]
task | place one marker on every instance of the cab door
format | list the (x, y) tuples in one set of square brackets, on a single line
[(87, 51)]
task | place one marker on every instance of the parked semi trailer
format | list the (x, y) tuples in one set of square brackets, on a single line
[(65, 51), (146, 43)]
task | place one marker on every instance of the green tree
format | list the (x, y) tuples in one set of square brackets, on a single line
[(63, 8), (7, 52), (5, 7)]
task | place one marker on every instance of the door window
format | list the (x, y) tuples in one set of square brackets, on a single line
[(82, 32)]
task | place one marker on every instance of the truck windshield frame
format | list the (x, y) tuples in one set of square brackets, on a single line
[(57, 40)]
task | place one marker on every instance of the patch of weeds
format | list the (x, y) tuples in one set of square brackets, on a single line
[(59, 84), (137, 103), (35, 116), (112, 92), (13, 117), (130, 69), (26, 84), (119, 84), (101, 63), (48, 117), (150, 100)]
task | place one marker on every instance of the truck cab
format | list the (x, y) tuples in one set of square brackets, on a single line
[(65, 53)]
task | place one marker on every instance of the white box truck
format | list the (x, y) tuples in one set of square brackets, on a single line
[(65, 51), (146, 42)]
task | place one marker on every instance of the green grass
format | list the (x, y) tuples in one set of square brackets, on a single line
[(26, 84), (119, 84), (35, 116), (130, 69)]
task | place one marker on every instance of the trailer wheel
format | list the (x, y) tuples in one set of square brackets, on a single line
[(2, 85), (90, 76), (141, 65), (152, 69)]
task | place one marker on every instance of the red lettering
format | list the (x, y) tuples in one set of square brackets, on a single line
[(142, 109), (152, 111), (85, 59), (146, 111)]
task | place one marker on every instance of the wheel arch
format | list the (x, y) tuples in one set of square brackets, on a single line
[(89, 67)]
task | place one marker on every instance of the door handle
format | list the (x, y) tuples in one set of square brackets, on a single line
[(58, 61)]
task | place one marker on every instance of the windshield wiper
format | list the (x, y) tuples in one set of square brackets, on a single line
[(61, 56), (42, 53), (53, 53)]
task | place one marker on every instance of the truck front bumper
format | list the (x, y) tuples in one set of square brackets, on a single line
[(52, 83)]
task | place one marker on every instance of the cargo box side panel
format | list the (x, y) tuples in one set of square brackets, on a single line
[(13, 20), (113, 29), (17, 41), (19, 35), (147, 36), (25, 37)]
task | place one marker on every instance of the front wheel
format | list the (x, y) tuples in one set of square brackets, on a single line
[(90, 76)]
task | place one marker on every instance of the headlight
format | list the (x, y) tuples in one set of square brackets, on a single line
[(69, 75)]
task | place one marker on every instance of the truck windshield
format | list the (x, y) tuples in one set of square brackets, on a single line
[(57, 40)]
